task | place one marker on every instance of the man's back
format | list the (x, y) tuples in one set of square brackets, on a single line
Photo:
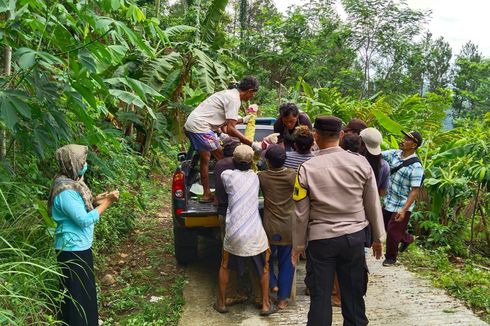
[(213, 111), (277, 187), (342, 192), (244, 235)]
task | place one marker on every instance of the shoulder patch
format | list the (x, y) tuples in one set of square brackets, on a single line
[(299, 193)]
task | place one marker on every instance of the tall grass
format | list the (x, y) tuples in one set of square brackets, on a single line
[(29, 275)]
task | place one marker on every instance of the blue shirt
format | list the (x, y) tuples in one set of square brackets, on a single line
[(401, 182), (75, 226)]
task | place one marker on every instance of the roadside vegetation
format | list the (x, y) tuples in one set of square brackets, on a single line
[(121, 76), (140, 282), (466, 279)]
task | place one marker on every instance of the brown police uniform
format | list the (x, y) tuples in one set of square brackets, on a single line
[(336, 198)]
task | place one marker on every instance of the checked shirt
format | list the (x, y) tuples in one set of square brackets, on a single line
[(401, 182)]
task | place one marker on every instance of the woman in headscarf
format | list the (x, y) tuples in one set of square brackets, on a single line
[(72, 207)]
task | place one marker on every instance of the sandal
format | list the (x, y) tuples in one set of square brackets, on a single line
[(218, 309), (272, 310), (236, 300)]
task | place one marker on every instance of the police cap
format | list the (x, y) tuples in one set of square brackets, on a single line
[(328, 123)]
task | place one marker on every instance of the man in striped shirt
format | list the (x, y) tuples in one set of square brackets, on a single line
[(245, 237)]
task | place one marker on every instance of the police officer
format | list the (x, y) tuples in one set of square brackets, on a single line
[(336, 198)]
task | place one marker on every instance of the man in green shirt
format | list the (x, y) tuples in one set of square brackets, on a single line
[(277, 185)]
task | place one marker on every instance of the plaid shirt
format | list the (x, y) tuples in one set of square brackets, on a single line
[(402, 182)]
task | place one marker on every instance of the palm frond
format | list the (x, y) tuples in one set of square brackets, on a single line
[(158, 70), (213, 18)]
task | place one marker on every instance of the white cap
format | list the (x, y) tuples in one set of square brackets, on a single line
[(243, 154), (372, 139)]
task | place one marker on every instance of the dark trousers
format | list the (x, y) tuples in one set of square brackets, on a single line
[(79, 307), (396, 233), (284, 278), (344, 255)]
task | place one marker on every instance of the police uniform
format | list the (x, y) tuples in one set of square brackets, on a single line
[(336, 197)]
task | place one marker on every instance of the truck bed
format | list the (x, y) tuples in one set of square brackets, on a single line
[(195, 208)]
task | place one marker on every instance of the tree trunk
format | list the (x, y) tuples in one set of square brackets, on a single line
[(157, 8), (128, 129), (243, 22), (485, 225), (473, 217), (149, 136)]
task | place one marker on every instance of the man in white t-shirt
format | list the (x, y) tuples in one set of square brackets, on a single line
[(245, 237), (218, 110)]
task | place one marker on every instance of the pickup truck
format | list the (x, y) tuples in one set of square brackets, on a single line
[(190, 217)]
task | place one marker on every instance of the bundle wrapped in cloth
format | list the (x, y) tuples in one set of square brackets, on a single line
[(250, 128)]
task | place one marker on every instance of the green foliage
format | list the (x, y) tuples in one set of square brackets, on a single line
[(456, 161), (471, 82), (29, 291), (121, 76), (28, 269), (466, 280)]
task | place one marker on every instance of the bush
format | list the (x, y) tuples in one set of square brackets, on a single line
[(29, 274)]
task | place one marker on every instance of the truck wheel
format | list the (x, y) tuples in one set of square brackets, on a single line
[(185, 243)]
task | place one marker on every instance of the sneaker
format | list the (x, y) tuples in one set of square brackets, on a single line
[(389, 262), (403, 246)]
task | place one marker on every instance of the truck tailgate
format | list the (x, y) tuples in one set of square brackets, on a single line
[(195, 208), (200, 214)]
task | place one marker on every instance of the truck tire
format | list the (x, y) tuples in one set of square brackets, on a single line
[(185, 243)]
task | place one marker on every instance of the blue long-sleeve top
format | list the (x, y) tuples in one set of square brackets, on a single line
[(75, 226)]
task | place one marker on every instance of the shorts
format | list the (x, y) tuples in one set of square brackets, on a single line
[(238, 263), (204, 142)]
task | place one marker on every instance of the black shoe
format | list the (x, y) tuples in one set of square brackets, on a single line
[(403, 246), (389, 262)]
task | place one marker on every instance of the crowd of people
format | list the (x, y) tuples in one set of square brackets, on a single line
[(329, 192), (321, 190)]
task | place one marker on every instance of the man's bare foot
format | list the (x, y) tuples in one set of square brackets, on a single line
[(220, 309), (268, 309), (335, 301), (282, 304)]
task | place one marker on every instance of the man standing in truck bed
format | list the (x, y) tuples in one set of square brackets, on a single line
[(218, 110)]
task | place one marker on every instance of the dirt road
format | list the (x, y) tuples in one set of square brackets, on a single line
[(395, 297)]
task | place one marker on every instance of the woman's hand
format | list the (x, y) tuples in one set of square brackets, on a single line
[(106, 197), (113, 196), (100, 197)]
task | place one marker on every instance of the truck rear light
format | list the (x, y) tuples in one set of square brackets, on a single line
[(178, 184), (179, 211)]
